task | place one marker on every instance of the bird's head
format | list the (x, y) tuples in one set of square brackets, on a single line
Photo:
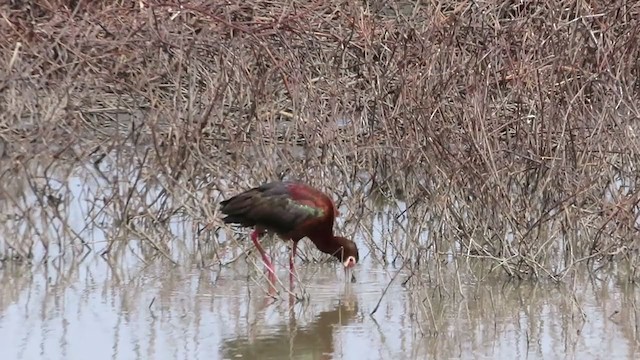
[(348, 253)]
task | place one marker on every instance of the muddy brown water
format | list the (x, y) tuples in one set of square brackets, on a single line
[(73, 307)]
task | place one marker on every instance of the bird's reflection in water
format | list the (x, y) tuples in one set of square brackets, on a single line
[(313, 341)]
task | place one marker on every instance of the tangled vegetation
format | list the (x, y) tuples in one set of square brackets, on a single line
[(501, 131)]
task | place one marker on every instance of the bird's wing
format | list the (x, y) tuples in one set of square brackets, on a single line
[(277, 206)]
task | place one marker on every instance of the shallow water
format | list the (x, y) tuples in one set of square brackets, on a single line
[(80, 305), (167, 312)]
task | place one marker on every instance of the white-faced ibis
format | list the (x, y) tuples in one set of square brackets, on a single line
[(293, 211)]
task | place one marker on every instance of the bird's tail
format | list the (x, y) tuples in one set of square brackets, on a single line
[(237, 210)]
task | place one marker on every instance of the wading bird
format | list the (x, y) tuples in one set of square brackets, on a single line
[(293, 211)]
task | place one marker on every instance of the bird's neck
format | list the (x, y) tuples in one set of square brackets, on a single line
[(323, 235), (327, 242)]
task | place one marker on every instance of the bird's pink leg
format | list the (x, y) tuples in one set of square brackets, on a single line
[(292, 259), (255, 237)]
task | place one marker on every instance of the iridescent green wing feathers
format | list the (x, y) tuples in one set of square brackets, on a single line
[(277, 206)]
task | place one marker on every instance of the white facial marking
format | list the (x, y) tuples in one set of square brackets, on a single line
[(350, 262)]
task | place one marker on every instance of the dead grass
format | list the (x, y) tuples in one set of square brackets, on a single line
[(501, 131)]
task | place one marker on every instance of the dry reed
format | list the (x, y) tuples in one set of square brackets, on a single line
[(504, 131)]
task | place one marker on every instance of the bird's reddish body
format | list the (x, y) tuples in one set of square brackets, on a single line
[(293, 211)]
